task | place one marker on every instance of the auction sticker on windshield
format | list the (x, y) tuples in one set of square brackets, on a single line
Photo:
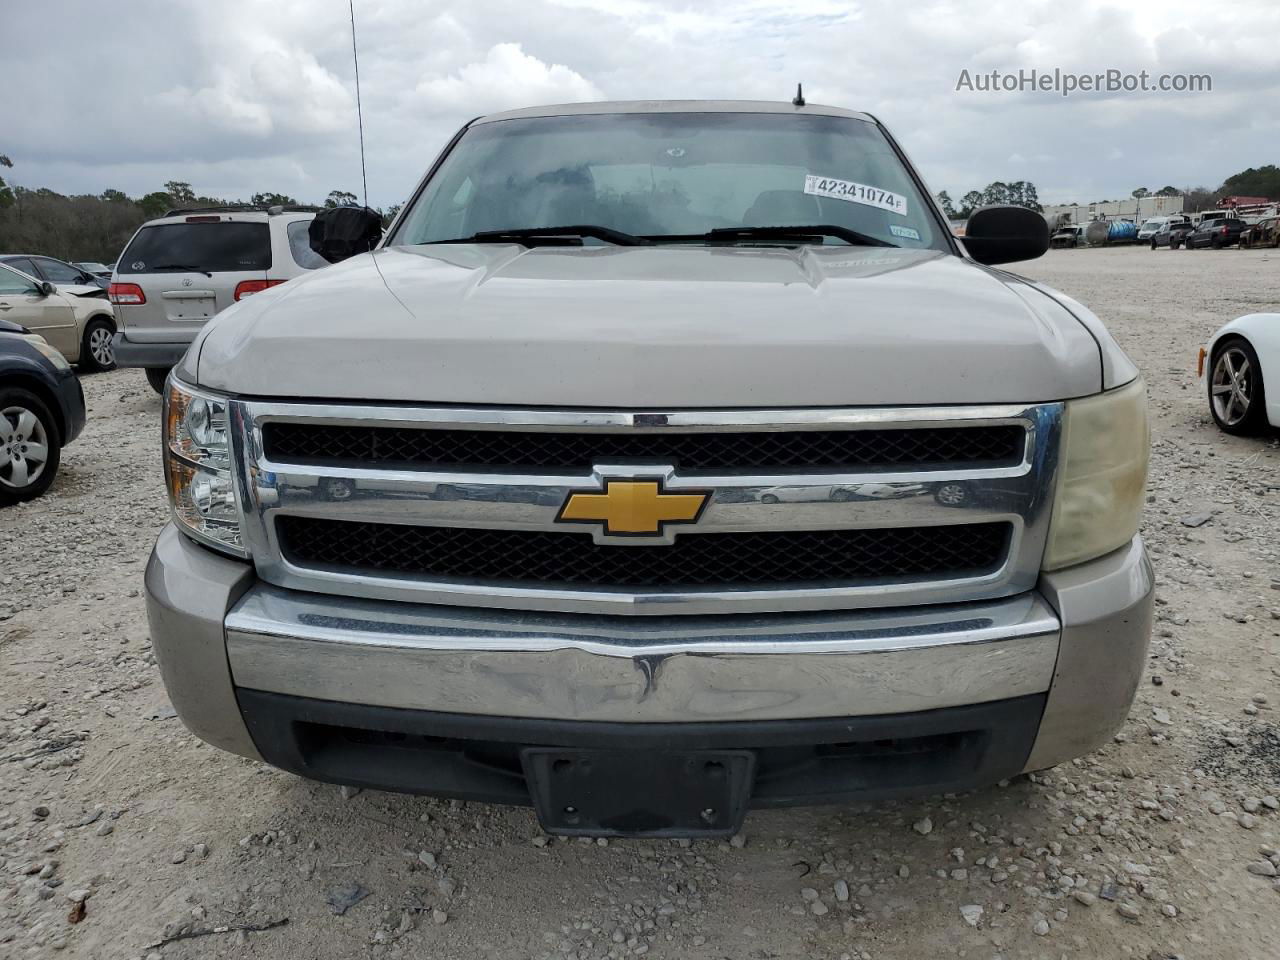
[(855, 193)]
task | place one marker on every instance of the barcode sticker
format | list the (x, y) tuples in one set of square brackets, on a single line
[(855, 193)]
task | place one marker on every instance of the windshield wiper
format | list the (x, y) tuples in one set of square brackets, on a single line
[(796, 233), (182, 266), (551, 234)]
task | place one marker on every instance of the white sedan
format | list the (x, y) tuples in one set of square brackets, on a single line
[(1232, 365)]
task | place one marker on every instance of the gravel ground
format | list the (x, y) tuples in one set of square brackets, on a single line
[(123, 836)]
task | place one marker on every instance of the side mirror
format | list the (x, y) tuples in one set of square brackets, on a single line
[(341, 232), (46, 288), (1005, 234)]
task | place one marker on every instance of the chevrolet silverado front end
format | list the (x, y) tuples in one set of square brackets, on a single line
[(648, 472)]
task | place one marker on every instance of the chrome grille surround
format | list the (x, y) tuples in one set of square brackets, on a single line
[(1020, 495)]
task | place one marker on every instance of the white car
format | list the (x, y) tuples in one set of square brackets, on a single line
[(1232, 364), (77, 320)]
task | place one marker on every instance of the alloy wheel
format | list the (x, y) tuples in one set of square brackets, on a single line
[(1232, 386), (24, 447), (100, 347)]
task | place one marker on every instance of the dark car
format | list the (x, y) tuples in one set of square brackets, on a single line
[(55, 271), (1171, 235), (1068, 236), (1264, 233), (41, 411), (100, 270), (1216, 233)]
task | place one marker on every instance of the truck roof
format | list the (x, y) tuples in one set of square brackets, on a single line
[(674, 106)]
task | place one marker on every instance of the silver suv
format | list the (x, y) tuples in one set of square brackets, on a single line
[(183, 268)]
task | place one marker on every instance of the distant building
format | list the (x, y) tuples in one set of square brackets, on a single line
[(1135, 209)]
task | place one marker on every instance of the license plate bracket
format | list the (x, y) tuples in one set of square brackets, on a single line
[(639, 793)]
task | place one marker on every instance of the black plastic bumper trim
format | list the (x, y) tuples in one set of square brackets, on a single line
[(798, 762)]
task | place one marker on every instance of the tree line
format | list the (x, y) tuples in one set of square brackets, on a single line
[(1261, 181), (92, 227), (1018, 193)]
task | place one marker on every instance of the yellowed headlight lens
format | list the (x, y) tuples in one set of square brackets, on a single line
[(197, 453), (1102, 475)]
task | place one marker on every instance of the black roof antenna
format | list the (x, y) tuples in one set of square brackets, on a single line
[(355, 59), (798, 99)]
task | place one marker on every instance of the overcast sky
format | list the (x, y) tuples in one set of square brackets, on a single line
[(237, 96)]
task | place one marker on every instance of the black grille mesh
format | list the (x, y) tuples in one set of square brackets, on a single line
[(723, 560), (519, 449)]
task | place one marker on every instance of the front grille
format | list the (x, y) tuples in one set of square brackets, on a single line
[(707, 560), (830, 450)]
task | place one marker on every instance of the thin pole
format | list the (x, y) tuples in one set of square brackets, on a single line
[(355, 59)]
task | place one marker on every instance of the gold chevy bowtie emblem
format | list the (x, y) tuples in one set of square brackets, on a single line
[(633, 507)]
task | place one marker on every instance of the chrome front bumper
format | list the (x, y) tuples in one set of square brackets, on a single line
[(1081, 637), (591, 669)]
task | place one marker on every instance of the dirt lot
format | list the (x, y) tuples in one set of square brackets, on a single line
[(1142, 850)]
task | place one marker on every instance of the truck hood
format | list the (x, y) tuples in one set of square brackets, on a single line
[(651, 327)]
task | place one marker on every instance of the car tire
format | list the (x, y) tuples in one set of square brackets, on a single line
[(96, 352), (1228, 353), (1153, 245), (1215, 243), (769, 498), (156, 376), (26, 423)]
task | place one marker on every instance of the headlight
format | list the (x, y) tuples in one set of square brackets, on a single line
[(198, 469), (1102, 474), (54, 356)]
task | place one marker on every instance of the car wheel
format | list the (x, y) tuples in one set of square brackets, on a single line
[(1215, 243), (768, 498), (1236, 397), (96, 352), (952, 494), (30, 446), (156, 376), (1153, 244)]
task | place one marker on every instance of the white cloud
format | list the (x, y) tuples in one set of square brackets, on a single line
[(506, 77), (247, 95)]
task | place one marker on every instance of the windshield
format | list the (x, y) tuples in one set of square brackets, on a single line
[(672, 175)]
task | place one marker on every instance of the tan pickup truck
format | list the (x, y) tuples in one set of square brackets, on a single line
[(664, 460)]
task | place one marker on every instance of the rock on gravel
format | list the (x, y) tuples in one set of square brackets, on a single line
[(1130, 911)]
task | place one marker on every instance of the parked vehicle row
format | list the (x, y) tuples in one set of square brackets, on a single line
[(1215, 230)]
